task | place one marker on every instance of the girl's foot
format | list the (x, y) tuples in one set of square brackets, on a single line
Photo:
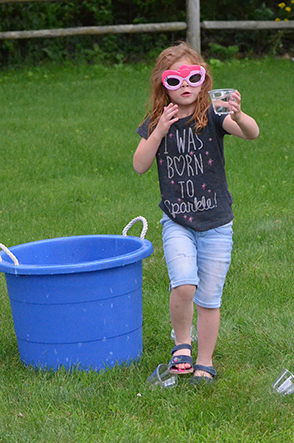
[(181, 362), (203, 374)]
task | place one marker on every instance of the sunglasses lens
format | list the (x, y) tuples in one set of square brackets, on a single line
[(172, 81), (195, 78)]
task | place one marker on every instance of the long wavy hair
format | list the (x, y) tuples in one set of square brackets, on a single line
[(159, 96)]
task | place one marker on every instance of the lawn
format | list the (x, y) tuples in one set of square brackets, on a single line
[(67, 141)]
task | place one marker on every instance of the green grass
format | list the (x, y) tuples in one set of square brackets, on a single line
[(67, 141)]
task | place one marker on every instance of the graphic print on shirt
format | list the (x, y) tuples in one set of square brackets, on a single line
[(185, 162)]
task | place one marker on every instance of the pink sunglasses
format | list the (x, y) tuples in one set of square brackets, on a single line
[(193, 74)]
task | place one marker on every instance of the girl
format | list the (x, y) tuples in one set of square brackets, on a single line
[(186, 137)]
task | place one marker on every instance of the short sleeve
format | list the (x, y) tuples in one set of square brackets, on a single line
[(142, 130), (218, 121)]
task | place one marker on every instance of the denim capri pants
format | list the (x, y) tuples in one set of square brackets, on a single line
[(198, 258)]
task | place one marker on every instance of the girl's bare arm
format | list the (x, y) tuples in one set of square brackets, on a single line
[(147, 149), (239, 123)]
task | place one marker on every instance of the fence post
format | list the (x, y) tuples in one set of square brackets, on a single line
[(193, 23)]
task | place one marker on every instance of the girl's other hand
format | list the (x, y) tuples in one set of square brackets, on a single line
[(238, 123), (167, 118), (235, 106)]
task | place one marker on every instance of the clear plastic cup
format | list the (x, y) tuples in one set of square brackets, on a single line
[(220, 98), (193, 334), (284, 384), (162, 377)]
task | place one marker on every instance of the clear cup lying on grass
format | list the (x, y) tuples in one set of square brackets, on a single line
[(220, 100), (284, 384), (162, 377)]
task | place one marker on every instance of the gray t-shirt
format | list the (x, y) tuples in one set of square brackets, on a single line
[(191, 171)]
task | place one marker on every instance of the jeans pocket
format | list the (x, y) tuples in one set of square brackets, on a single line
[(226, 229)]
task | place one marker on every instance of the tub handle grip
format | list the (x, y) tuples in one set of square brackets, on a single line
[(129, 225), (9, 253), (132, 222)]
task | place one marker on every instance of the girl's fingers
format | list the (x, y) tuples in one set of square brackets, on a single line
[(171, 108), (235, 104), (167, 118), (236, 97), (170, 111)]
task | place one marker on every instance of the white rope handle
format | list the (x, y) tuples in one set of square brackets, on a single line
[(13, 258), (132, 222)]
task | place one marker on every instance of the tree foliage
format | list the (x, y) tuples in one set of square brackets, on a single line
[(134, 47)]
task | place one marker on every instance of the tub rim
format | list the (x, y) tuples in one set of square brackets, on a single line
[(144, 250)]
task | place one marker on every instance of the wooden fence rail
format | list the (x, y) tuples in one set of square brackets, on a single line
[(193, 26), (94, 30), (250, 24)]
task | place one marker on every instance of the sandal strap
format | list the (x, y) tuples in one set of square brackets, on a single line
[(182, 346), (209, 369), (178, 359)]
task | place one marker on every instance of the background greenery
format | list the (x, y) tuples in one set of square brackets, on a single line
[(135, 47), (67, 141)]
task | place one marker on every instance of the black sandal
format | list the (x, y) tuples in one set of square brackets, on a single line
[(197, 379), (178, 359)]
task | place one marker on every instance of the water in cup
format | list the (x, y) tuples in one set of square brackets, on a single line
[(220, 98)]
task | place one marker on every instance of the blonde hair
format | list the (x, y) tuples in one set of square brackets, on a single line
[(159, 96)]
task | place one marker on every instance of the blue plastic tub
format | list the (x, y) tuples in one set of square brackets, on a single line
[(77, 301)]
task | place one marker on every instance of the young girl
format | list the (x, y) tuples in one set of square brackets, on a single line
[(186, 137)]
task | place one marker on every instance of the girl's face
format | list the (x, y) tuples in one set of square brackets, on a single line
[(186, 95)]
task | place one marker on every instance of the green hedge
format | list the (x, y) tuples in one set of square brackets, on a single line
[(135, 47)]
